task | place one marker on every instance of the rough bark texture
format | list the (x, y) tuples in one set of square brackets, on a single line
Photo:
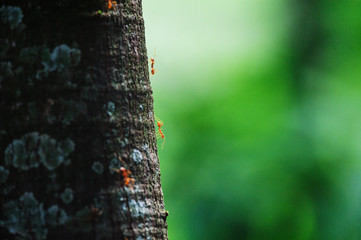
[(76, 104)]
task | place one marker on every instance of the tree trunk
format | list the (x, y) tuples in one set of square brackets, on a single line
[(78, 154)]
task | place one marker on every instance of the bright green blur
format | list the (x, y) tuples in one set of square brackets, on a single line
[(261, 103)]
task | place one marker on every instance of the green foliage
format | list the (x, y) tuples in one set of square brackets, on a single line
[(261, 115)]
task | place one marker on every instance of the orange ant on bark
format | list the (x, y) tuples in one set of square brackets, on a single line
[(111, 4), (126, 180), (152, 64), (160, 132)]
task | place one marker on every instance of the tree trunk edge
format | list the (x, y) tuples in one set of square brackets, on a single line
[(124, 86)]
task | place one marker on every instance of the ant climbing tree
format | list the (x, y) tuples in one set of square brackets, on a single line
[(76, 109), (160, 131), (152, 71)]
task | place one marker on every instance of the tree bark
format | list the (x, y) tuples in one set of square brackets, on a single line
[(76, 107)]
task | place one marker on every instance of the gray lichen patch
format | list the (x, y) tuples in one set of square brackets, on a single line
[(145, 147), (136, 156), (6, 70), (110, 109), (11, 15), (67, 146), (62, 58), (67, 196), (50, 153), (4, 173), (56, 216), (98, 167), (25, 217), (33, 148), (22, 153), (137, 208)]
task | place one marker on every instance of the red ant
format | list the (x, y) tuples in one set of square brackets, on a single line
[(160, 134), (125, 174), (111, 3), (127, 180), (152, 64)]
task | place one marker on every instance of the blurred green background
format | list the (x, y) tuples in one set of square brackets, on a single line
[(261, 103)]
